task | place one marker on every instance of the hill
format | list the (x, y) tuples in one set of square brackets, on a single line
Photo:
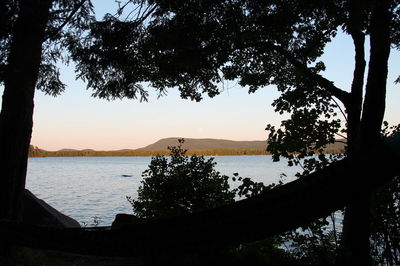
[(208, 147), (205, 144)]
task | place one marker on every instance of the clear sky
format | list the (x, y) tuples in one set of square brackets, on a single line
[(76, 120)]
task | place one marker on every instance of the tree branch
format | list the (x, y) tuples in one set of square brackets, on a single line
[(317, 39), (67, 20), (355, 29), (340, 109), (324, 83), (146, 15)]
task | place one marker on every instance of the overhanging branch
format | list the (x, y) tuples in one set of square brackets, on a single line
[(66, 21), (324, 83)]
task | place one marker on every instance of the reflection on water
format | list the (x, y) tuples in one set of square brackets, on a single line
[(94, 188)]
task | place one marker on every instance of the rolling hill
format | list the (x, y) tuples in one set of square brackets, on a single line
[(206, 144)]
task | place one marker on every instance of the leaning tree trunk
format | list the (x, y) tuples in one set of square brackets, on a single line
[(17, 106), (356, 227)]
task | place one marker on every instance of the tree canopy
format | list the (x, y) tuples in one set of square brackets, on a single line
[(195, 45), (67, 21)]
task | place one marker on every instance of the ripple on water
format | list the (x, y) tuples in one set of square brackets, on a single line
[(87, 187)]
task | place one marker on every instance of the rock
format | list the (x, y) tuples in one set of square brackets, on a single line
[(38, 212), (122, 219)]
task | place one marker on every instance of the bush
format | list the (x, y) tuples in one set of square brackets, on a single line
[(179, 185)]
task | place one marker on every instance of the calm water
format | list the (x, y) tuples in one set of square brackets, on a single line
[(89, 188)]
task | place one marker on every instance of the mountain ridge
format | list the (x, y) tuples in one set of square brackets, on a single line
[(206, 143)]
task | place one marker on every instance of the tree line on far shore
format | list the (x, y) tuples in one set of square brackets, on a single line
[(37, 152)]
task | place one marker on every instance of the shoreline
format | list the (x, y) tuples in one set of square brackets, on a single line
[(145, 153)]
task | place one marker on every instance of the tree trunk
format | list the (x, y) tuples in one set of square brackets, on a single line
[(17, 106), (356, 225), (353, 106)]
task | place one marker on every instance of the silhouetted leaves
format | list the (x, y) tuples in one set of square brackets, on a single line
[(180, 184)]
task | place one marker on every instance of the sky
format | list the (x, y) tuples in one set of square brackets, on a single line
[(78, 121)]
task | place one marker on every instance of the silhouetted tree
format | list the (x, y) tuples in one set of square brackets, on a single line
[(195, 45), (33, 36)]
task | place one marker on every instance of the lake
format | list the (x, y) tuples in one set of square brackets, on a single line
[(93, 190)]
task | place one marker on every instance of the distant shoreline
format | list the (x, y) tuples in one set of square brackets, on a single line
[(146, 153), (38, 153), (205, 147)]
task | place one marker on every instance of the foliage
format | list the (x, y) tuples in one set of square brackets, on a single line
[(96, 221), (314, 244), (385, 235), (264, 252), (194, 45), (249, 188), (180, 185), (301, 140), (312, 126), (68, 22)]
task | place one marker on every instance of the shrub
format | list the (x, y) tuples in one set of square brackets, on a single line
[(179, 185)]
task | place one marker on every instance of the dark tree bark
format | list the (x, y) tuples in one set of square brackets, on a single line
[(353, 106), (17, 106), (375, 93), (365, 135)]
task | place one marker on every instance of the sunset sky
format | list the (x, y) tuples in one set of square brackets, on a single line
[(76, 120)]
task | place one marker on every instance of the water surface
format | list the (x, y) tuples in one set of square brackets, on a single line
[(95, 188)]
